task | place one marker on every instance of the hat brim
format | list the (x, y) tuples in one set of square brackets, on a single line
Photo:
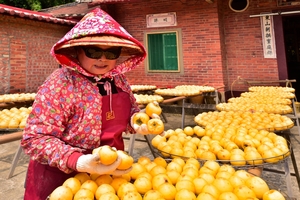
[(128, 47)]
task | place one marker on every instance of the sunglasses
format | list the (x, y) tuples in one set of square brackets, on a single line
[(96, 52)]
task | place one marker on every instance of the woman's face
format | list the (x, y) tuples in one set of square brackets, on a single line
[(94, 61)]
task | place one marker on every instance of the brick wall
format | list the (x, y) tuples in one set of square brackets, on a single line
[(219, 44), (25, 61), (198, 21)]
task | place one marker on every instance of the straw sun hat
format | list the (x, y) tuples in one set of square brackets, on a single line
[(128, 47)]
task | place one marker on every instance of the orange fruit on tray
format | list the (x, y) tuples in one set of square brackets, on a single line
[(153, 108), (73, 183), (90, 185), (107, 154), (83, 193), (61, 192), (126, 162), (82, 177), (102, 189), (155, 126)]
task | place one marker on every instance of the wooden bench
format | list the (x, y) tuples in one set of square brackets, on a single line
[(10, 137)]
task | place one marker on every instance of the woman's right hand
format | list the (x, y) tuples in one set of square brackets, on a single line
[(90, 163)]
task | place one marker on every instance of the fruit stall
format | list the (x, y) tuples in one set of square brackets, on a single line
[(221, 157)]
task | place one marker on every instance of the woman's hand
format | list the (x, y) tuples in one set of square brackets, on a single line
[(139, 124), (90, 163)]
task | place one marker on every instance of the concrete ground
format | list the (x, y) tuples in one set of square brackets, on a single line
[(12, 188)]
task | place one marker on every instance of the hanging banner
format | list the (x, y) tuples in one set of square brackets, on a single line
[(268, 37)]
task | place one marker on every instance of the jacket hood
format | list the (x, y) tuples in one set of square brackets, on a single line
[(99, 28)]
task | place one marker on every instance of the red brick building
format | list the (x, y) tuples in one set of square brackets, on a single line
[(216, 44)]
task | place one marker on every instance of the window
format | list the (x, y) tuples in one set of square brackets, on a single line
[(164, 51)]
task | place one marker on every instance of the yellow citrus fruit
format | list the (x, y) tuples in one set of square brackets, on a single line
[(199, 183), (137, 168), (173, 176), (243, 192), (104, 178), (125, 188), (157, 140), (102, 189), (206, 170), (200, 132), (132, 195), (145, 174), (109, 196), (82, 177), (223, 185), (227, 196), (94, 176), (160, 161), (126, 162), (61, 192), (153, 108), (143, 184), (211, 189), (190, 171), (167, 190), (152, 195), (73, 183), (117, 182), (144, 160), (159, 179), (107, 155), (157, 170), (83, 193), (193, 161), (207, 177), (150, 165), (90, 185), (185, 184), (206, 196), (126, 176), (257, 185), (185, 194), (223, 174), (208, 155), (242, 174), (188, 131), (179, 160), (174, 166)]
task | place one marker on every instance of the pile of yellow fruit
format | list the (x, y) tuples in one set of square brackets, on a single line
[(184, 90), (255, 107), (238, 146), (262, 99), (177, 179), (258, 120), (136, 88), (199, 88), (14, 117), (271, 89), (19, 97), (145, 98)]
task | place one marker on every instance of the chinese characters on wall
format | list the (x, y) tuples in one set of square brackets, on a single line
[(161, 20), (268, 37)]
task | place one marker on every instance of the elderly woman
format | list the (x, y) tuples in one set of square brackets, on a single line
[(85, 104)]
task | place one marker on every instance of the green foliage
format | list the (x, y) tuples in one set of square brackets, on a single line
[(35, 4)]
